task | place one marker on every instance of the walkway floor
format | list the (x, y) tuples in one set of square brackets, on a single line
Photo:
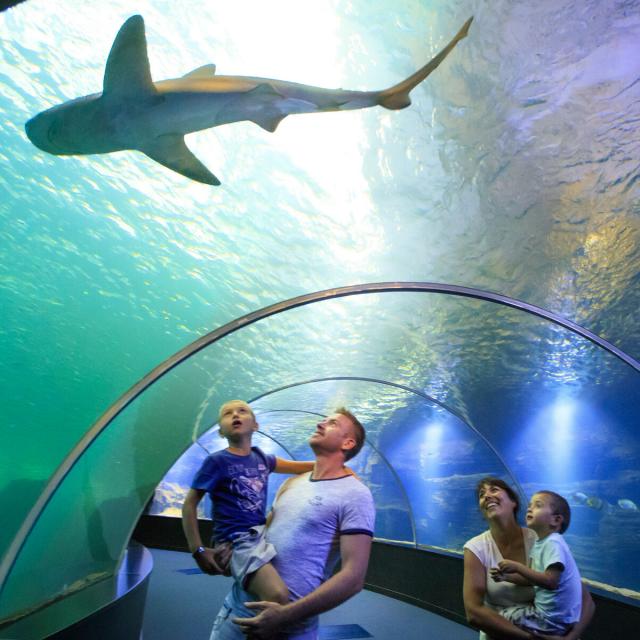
[(182, 603)]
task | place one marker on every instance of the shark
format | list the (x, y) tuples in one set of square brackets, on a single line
[(135, 113)]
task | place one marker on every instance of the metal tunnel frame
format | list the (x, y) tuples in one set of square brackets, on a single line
[(239, 323)]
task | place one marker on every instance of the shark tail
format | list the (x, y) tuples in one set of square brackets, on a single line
[(397, 97)]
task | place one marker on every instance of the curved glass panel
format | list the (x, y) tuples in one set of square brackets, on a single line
[(508, 373)]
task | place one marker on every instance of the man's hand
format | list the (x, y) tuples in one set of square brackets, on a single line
[(215, 561), (266, 624)]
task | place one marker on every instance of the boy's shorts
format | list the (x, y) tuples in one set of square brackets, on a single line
[(531, 619), (250, 552)]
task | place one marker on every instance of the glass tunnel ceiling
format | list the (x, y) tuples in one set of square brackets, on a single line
[(428, 443), (514, 170)]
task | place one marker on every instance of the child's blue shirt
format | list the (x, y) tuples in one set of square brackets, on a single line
[(237, 486)]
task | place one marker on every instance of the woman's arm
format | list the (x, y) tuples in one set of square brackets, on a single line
[(478, 614)]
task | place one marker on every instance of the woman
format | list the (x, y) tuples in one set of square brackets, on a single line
[(505, 539)]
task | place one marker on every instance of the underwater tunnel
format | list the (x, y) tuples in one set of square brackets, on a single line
[(462, 274)]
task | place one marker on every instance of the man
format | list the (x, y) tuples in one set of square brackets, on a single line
[(316, 518)]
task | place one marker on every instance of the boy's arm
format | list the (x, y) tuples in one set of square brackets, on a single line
[(190, 518), (349, 580), (209, 560), (547, 579), (513, 578)]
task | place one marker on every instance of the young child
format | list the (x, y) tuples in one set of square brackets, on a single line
[(236, 480), (552, 571)]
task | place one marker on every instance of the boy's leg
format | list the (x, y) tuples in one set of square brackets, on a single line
[(266, 584)]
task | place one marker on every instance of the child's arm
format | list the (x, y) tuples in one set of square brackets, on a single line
[(212, 561), (547, 579), (513, 578)]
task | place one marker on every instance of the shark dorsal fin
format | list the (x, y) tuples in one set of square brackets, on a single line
[(205, 72), (127, 73)]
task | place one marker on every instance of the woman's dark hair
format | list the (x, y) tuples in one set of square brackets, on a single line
[(497, 482)]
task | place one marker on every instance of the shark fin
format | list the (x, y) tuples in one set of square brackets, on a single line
[(397, 97), (127, 73), (264, 100), (204, 72), (171, 151)]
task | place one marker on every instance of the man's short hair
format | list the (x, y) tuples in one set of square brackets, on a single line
[(358, 433), (560, 507), (498, 482)]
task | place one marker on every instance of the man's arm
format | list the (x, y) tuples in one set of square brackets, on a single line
[(354, 550), (301, 466), (293, 466), (209, 560), (547, 579)]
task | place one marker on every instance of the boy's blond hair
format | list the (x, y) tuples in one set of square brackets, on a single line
[(246, 404)]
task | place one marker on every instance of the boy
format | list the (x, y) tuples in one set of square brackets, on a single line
[(552, 572), (236, 480)]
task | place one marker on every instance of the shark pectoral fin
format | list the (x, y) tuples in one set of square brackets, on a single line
[(172, 152), (127, 74), (205, 71)]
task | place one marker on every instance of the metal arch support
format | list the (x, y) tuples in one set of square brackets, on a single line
[(412, 519), (244, 321), (423, 395)]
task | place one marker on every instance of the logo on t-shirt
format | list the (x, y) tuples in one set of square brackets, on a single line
[(316, 501)]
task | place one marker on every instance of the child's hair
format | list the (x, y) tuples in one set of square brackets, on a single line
[(358, 433), (497, 482), (224, 404), (560, 507)]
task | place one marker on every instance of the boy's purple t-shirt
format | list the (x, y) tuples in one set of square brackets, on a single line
[(237, 486)]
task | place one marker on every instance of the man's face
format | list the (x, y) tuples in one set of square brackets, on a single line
[(236, 419), (334, 433)]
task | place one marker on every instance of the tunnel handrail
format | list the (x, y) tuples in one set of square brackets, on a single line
[(327, 294)]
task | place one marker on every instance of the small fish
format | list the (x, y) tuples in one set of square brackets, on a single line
[(594, 502), (627, 505), (580, 497)]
